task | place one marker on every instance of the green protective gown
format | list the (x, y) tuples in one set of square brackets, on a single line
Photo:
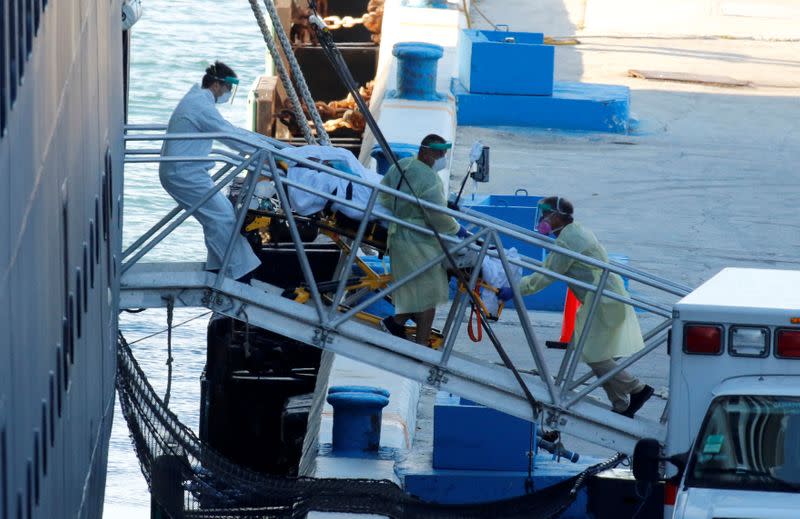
[(615, 331), (409, 250)]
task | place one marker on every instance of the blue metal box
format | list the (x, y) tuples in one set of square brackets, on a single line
[(511, 63), (521, 210), (475, 437)]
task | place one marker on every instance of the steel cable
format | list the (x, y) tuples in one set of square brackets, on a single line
[(297, 74), (283, 74)]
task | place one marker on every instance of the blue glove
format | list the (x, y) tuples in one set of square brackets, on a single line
[(505, 293), (462, 232)]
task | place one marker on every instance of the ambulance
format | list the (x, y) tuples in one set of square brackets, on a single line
[(732, 448)]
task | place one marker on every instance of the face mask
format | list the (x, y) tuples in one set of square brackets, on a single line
[(544, 227), (224, 98), (439, 164)]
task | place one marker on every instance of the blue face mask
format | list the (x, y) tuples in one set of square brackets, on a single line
[(224, 98)]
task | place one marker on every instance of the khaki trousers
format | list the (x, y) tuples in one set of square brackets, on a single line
[(619, 386)]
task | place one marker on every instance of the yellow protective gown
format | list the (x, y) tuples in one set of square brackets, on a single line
[(409, 250), (615, 331)]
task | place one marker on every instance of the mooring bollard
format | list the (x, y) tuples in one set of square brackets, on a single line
[(416, 70), (357, 413)]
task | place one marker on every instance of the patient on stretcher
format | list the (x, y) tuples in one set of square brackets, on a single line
[(311, 204)]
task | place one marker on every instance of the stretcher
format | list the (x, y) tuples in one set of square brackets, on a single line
[(270, 227)]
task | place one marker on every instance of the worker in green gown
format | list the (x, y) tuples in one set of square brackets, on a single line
[(615, 330), (409, 250)]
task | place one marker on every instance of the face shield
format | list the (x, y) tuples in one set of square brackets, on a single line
[(233, 85), (543, 225), (442, 162), (233, 82)]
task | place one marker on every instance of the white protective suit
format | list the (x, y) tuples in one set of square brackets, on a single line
[(306, 203), (187, 182)]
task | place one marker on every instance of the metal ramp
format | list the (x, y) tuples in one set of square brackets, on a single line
[(560, 400)]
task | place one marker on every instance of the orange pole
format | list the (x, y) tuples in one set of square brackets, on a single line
[(571, 305)]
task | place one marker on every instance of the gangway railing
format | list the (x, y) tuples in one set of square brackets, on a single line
[(561, 401)]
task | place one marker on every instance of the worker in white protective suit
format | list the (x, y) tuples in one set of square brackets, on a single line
[(187, 182), (615, 329)]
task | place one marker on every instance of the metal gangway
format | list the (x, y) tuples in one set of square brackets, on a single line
[(559, 400)]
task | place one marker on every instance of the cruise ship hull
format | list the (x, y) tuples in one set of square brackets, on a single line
[(61, 117)]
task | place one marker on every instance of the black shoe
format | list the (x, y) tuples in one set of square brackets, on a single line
[(638, 400), (389, 325)]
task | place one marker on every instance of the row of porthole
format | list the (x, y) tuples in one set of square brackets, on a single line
[(72, 330), (24, 18)]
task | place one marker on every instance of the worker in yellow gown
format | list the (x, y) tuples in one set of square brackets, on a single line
[(615, 329), (409, 250)]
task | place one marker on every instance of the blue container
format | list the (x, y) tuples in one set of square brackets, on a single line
[(357, 421), (522, 210), (505, 63), (416, 70), (400, 150), (469, 436)]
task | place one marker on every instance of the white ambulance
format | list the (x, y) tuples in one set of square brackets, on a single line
[(733, 429)]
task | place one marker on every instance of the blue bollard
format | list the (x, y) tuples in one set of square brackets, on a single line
[(359, 389), (357, 418), (416, 70)]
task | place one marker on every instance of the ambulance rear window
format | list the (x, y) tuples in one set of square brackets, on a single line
[(748, 443)]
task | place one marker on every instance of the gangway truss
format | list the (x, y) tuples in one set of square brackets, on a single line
[(560, 400)]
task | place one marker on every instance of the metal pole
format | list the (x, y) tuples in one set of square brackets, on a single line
[(530, 335), (345, 273), (600, 381), (398, 283), (175, 210), (647, 337), (451, 314), (587, 326), (450, 337), (562, 368), (244, 203), (283, 195), (211, 192)]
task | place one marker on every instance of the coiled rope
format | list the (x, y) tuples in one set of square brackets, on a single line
[(297, 74)]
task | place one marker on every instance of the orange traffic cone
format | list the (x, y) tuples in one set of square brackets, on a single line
[(571, 305)]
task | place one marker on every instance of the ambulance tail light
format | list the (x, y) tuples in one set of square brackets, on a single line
[(670, 493), (702, 339), (787, 343)]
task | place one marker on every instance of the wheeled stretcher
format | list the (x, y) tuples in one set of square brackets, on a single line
[(269, 227)]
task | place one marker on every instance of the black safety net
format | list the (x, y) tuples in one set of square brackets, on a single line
[(189, 479)]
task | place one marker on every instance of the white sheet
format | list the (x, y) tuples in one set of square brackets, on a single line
[(306, 203)]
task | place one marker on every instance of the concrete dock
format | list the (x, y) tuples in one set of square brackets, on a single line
[(708, 177)]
